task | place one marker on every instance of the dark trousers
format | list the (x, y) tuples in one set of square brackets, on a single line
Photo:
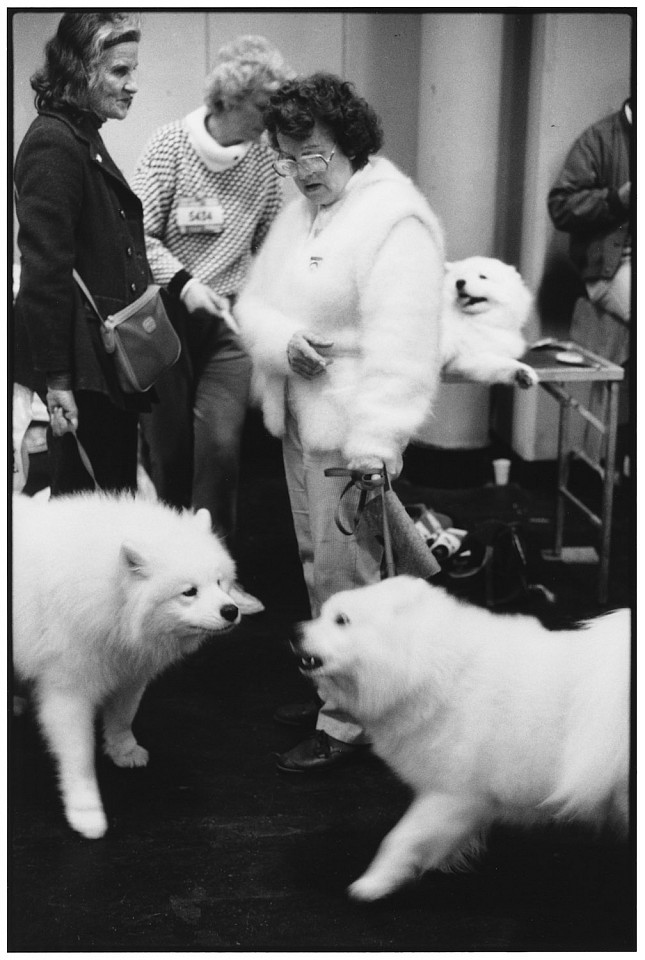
[(193, 436), (110, 438)]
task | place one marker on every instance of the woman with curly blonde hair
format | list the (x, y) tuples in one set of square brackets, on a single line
[(209, 195)]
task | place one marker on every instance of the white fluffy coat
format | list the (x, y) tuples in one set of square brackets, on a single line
[(107, 592), (487, 717), (366, 274)]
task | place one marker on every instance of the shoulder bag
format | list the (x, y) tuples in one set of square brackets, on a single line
[(140, 337)]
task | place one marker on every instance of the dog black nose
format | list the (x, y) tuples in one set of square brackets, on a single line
[(460, 284), (229, 612)]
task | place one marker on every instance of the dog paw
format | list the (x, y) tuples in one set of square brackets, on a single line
[(526, 376), (131, 755), (368, 888), (89, 822)]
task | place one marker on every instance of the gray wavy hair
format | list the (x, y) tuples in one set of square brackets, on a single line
[(245, 65)]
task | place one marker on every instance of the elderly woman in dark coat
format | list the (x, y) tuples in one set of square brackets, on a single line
[(75, 210)]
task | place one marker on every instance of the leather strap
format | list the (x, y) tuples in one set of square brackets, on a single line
[(90, 298), (85, 460), (366, 482)]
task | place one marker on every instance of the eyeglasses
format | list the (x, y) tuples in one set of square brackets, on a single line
[(306, 166)]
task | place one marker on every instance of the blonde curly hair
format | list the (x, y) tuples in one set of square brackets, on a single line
[(245, 65)]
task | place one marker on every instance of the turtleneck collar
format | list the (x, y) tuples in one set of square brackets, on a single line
[(212, 154)]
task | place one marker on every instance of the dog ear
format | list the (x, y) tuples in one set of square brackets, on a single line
[(204, 519), (133, 560)]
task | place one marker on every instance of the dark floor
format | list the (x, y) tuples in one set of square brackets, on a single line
[(210, 849)]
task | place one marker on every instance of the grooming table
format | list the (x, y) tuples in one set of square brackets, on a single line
[(555, 377)]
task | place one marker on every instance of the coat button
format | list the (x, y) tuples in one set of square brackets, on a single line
[(122, 214), (129, 251), (133, 287)]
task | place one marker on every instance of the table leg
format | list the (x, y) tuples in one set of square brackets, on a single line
[(608, 490), (563, 475)]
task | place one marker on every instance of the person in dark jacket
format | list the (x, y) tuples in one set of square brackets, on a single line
[(76, 210), (591, 201)]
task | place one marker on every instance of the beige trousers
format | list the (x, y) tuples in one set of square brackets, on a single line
[(331, 561)]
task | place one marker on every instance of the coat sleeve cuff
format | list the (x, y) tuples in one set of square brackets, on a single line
[(178, 283), (58, 380), (616, 207)]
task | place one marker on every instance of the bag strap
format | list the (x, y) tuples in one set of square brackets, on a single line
[(366, 482), (88, 295)]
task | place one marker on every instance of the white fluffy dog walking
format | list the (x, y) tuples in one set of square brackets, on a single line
[(487, 717), (108, 591), (485, 307)]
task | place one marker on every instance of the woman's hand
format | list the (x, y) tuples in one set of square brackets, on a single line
[(370, 467), (303, 356), (63, 412), (625, 193), (198, 298), (374, 465)]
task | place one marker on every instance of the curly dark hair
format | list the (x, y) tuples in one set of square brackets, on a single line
[(326, 99), (71, 57)]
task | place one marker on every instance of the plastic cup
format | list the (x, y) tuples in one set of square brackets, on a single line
[(502, 469)]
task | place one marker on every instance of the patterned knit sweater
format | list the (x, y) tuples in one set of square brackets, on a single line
[(180, 170)]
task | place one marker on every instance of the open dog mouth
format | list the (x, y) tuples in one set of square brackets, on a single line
[(467, 301), (206, 632), (307, 664)]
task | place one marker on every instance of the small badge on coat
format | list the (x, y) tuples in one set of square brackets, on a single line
[(200, 216)]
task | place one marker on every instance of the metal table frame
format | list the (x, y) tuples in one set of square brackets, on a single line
[(554, 377)]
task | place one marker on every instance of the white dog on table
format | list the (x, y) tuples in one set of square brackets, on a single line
[(486, 305), (487, 717)]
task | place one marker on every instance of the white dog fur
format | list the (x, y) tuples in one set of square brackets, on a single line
[(108, 591), (487, 717), (485, 307)]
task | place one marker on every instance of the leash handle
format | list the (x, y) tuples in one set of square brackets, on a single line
[(366, 482)]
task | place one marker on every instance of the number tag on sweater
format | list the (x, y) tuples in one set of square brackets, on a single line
[(200, 216)]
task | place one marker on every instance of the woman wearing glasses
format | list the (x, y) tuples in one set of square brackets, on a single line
[(340, 316)]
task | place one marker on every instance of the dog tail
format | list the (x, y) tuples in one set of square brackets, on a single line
[(593, 781)]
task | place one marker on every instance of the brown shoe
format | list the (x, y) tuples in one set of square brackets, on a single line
[(298, 714), (319, 752)]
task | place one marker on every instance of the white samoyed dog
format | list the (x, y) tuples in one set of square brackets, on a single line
[(108, 591), (485, 307), (487, 717)]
